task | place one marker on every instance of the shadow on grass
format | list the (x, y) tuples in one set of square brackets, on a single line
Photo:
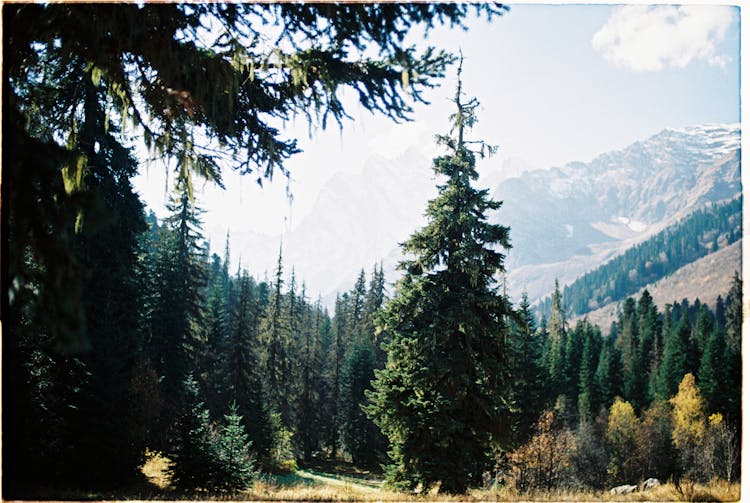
[(293, 479)]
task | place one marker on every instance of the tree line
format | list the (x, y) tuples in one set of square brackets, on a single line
[(702, 232)]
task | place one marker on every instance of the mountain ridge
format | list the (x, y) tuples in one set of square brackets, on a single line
[(587, 212)]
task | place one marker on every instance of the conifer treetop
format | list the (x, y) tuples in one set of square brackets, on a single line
[(464, 118)]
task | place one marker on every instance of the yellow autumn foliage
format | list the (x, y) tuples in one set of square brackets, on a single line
[(688, 414)]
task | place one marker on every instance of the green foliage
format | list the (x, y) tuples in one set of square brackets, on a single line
[(242, 381), (193, 455), (558, 335), (733, 358), (441, 398), (525, 348), (362, 439), (674, 363), (283, 456), (589, 398), (235, 468), (713, 375), (275, 337)]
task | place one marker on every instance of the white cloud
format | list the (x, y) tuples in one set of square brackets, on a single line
[(649, 38)]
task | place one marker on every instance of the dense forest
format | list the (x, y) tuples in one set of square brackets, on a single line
[(695, 236), (125, 335)]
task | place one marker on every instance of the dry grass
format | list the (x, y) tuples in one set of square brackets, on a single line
[(345, 491), (344, 484)]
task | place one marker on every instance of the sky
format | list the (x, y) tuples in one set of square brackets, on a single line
[(557, 83)]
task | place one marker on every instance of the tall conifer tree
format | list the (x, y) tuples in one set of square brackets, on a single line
[(441, 399)]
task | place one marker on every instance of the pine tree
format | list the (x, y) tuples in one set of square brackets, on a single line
[(441, 399), (337, 350), (242, 382), (235, 465), (573, 353), (555, 358), (528, 373), (307, 425), (674, 363), (628, 342), (734, 318), (277, 354), (713, 374), (608, 375), (362, 439), (176, 328), (194, 460), (589, 400)]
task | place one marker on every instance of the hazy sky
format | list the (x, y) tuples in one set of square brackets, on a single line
[(557, 83)]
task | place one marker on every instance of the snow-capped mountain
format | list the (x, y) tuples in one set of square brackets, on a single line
[(564, 220)]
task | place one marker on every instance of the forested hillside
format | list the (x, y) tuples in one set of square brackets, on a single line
[(706, 278), (697, 235)]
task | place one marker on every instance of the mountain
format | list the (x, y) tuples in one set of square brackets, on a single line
[(565, 221), (356, 222)]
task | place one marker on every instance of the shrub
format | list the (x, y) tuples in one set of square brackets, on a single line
[(544, 462)]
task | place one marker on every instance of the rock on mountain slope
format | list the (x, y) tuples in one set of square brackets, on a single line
[(565, 221)]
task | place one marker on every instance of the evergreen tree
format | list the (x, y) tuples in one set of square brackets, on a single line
[(573, 353), (337, 350), (628, 342), (608, 375), (713, 375), (525, 351), (555, 358), (277, 354), (674, 363), (74, 349), (589, 399), (311, 361), (194, 460), (235, 465), (362, 438), (733, 358), (217, 320), (357, 299), (441, 399), (242, 380), (176, 330)]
